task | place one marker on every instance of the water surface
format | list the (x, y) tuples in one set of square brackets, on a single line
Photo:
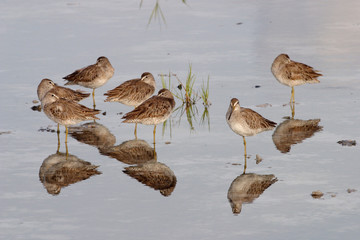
[(233, 42)]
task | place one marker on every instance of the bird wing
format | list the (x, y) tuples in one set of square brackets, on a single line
[(70, 94), (299, 71), (67, 109), (151, 108), (133, 89), (254, 120), (57, 110), (86, 74)]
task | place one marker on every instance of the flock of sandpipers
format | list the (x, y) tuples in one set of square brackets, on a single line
[(60, 104)]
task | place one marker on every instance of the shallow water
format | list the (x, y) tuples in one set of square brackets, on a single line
[(51, 39)]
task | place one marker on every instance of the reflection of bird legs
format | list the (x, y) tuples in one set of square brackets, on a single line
[(155, 155), (244, 153), (66, 134), (245, 165), (135, 131), (58, 137), (292, 107), (244, 146)]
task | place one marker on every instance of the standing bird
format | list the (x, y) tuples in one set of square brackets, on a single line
[(153, 111), (47, 85), (92, 76), (133, 92), (291, 73), (246, 122), (66, 112)]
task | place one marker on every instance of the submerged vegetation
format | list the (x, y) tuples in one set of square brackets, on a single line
[(185, 92)]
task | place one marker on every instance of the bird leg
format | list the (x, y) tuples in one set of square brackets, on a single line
[(245, 156), (66, 134), (93, 95), (58, 128), (155, 155), (154, 132), (292, 107), (244, 146), (292, 99), (67, 151)]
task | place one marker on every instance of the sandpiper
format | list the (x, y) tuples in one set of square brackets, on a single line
[(133, 92), (153, 111), (66, 112), (92, 76), (46, 85), (291, 73), (246, 122)]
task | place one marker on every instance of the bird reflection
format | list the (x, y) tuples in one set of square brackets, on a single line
[(246, 188), (131, 152), (155, 175), (93, 134), (293, 131), (59, 170)]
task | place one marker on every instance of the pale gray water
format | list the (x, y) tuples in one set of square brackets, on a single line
[(51, 39)]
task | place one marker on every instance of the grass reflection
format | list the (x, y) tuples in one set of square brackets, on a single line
[(205, 118), (157, 13)]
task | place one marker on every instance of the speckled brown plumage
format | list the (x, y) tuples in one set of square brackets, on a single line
[(66, 112), (47, 85), (153, 111), (92, 76), (291, 73), (246, 122), (133, 92)]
